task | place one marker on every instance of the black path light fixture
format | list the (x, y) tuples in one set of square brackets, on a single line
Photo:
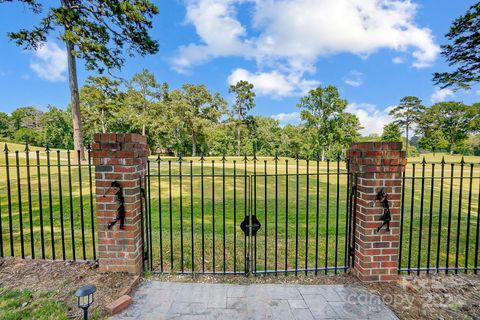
[(84, 296)]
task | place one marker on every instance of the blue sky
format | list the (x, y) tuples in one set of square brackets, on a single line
[(374, 51)]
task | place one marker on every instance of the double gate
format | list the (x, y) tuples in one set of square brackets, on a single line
[(248, 217)]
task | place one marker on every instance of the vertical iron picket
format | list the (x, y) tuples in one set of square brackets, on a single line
[(457, 246), (317, 213), (337, 213), (420, 234), (467, 244), (286, 216), (234, 216), (254, 209), (60, 200), (92, 213), (70, 199), (276, 212), (160, 227), (148, 220), (449, 216), (306, 217), (223, 216), (430, 217), (40, 204), (181, 211), (20, 212), (402, 211), (412, 202), (80, 186), (213, 216), (191, 217), (296, 216), (29, 194), (203, 213), (170, 212), (9, 199), (265, 213), (347, 216), (477, 233), (327, 217), (440, 213)]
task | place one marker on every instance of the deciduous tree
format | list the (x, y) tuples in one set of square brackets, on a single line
[(391, 132), (326, 120), (244, 101), (94, 31), (198, 109)]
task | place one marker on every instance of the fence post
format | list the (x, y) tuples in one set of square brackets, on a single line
[(119, 158), (378, 165)]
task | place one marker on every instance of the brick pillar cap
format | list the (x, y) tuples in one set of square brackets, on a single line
[(384, 145)]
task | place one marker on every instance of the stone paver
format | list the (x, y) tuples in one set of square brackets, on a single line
[(155, 300)]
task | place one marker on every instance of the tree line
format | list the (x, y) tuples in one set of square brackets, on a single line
[(445, 126), (193, 120), (190, 120)]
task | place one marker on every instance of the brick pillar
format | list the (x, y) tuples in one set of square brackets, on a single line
[(378, 165), (121, 158)]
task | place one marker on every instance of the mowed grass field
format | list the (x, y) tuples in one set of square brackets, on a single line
[(300, 227)]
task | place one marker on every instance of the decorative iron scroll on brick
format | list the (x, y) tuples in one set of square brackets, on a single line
[(121, 205), (382, 197)]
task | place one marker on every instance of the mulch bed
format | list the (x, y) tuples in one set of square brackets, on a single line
[(436, 296), (63, 278)]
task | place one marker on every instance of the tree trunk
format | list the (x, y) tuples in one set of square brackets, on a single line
[(75, 101), (323, 153), (194, 145), (407, 139), (74, 94), (238, 140), (143, 120), (102, 120)]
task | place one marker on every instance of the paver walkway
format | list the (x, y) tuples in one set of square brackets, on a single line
[(175, 300)]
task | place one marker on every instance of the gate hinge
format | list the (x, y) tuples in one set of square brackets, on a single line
[(351, 251)]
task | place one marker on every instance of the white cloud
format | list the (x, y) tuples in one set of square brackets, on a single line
[(287, 118), (398, 60), (440, 95), (291, 35), (354, 79), (371, 118), (273, 83), (478, 92), (50, 62)]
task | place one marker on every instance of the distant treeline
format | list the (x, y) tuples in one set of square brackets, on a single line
[(191, 120)]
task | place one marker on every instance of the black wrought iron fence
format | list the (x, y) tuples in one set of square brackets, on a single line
[(440, 217), (240, 215), (47, 204)]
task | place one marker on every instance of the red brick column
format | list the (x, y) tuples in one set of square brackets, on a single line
[(378, 165), (121, 158)]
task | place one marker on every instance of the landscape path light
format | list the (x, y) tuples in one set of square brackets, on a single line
[(84, 296)]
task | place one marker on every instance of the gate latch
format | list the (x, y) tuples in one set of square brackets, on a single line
[(382, 197), (245, 226)]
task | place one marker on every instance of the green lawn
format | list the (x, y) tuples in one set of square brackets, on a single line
[(24, 304), (266, 196)]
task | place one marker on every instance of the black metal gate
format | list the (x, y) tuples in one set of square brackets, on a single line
[(246, 216)]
